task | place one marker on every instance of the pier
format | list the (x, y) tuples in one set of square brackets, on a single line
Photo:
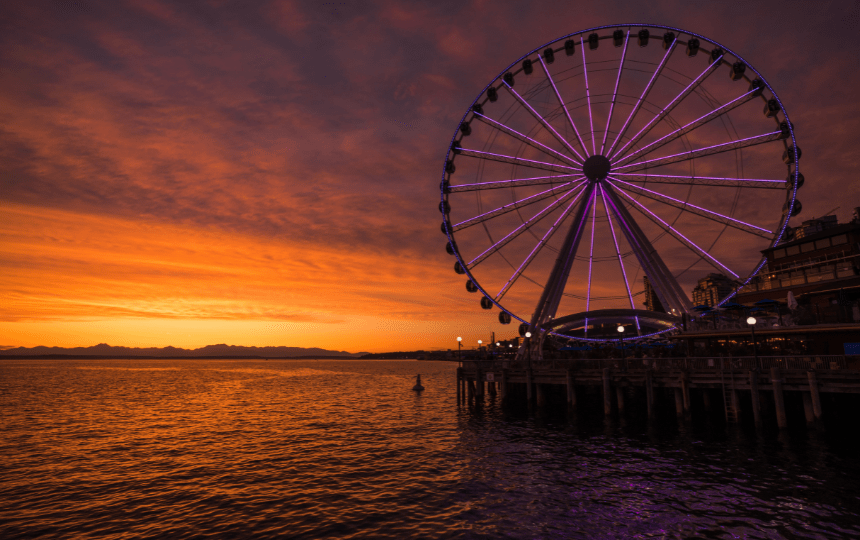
[(732, 383)]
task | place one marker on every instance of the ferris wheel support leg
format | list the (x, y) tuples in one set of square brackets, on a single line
[(665, 284), (551, 296)]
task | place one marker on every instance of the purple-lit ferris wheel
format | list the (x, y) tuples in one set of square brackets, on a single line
[(599, 176)]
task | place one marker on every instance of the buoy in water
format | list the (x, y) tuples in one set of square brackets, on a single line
[(418, 386)]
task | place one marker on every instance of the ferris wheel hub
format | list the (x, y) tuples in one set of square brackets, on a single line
[(596, 167)]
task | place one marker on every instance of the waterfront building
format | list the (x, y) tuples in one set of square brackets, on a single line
[(652, 302), (711, 289)]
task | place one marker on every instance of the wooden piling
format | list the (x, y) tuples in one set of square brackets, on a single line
[(619, 395), (607, 399), (807, 408), (529, 385), (685, 391), (470, 388), (706, 399), (679, 402), (814, 395), (649, 392), (503, 385), (539, 391), (778, 398), (491, 386), (571, 390), (756, 398)]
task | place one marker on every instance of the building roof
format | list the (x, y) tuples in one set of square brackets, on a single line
[(826, 233)]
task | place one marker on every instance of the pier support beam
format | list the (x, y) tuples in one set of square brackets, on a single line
[(814, 395), (706, 399), (491, 387), (540, 392), (807, 408), (479, 381), (571, 390), (619, 395), (756, 398), (503, 384), (778, 399), (685, 391), (607, 399), (470, 388), (529, 385), (649, 392), (679, 402)]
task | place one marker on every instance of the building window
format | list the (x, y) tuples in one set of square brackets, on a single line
[(792, 250), (823, 243), (778, 253), (809, 246), (839, 239)]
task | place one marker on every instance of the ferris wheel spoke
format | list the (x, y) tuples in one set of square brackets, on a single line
[(518, 161), (587, 94), (707, 151), (526, 139), (542, 121), (668, 109), (564, 108), (618, 253), (524, 227), (644, 95), (534, 252), (683, 130), (702, 180), (677, 234), (612, 106), (691, 208), (517, 204), (536, 181)]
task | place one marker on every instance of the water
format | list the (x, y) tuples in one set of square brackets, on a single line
[(345, 449)]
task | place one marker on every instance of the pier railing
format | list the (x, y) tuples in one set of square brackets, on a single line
[(716, 363)]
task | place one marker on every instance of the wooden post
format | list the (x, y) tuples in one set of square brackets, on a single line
[(479, 381), (491, 386), (706, 399), (679, 402), (470, 387), (571, 390), (756, 398), (607, 399), (649, 392), (529, 385), (619, 395), (539, 390), (778, 400), (503, 385), (807, 408), (736, 403), (814, 395), (685, 390)]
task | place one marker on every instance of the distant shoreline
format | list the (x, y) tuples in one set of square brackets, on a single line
[(133, 357)]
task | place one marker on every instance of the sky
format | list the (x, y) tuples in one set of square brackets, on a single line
[(266, 173)]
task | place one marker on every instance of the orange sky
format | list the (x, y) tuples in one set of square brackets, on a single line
[(193, 173)]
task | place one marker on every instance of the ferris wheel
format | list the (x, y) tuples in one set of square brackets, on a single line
[(599, 176)]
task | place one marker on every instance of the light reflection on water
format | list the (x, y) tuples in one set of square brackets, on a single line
[(320, 449)]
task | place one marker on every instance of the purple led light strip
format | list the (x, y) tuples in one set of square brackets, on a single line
[(685, 179), (587, 94), (644, 93), (525, 138), (564, 107), (614, 95), (522, 228), (618, 252), (675, 231), (537, 180), (765, 137), (591, 256), (516, 204), (668, 108), (541, 119), (635, 187), (522, 161), (537, 248), (683, 130)]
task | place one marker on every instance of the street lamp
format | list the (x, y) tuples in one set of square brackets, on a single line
[(751, 321), (459, 348), (621, 342)]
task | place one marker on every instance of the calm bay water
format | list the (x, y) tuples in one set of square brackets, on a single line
[(345, 449)]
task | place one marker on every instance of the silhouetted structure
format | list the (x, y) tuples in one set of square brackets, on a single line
[(652, 302), (711, 289)]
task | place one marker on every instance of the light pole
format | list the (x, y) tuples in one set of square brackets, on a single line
[(621, 342), (751, 321), (528, 348), (459, 348)]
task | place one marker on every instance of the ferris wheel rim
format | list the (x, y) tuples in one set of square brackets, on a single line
[(777, 235)]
